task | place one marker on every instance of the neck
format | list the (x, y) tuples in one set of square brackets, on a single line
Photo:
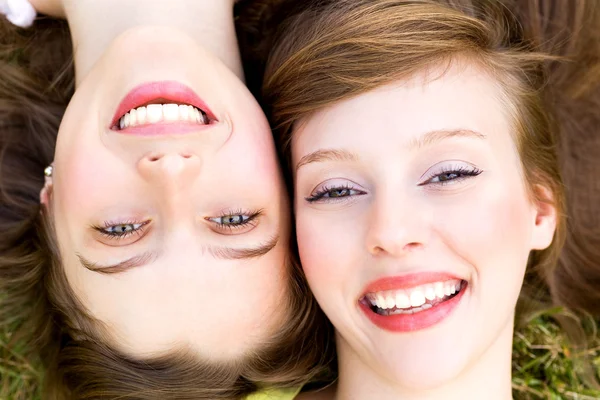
[(95, 24), (488, 377)]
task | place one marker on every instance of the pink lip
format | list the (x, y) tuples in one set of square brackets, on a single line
[(411, 322), (414, 322), (168, 91)]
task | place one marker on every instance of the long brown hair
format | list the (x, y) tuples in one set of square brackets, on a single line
[(36, 303), (544, 53)]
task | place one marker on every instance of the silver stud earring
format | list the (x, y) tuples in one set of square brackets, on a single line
[(48, 171)]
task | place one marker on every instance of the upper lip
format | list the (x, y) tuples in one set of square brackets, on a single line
[(408, 281), (166, 91)]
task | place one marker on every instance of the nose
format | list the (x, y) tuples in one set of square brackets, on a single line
[(169, 169), (397, 226)]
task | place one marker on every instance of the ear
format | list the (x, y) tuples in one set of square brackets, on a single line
[(546, 218), (46, 192)]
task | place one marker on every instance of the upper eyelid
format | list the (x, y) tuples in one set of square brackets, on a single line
[(429, 172), (328, 183)]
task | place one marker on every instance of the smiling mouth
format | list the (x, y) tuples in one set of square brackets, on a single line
[(414, 300), (162, 107), (157, 113)]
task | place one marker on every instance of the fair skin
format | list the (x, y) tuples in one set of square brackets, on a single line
[(417, 178), (199, 219)]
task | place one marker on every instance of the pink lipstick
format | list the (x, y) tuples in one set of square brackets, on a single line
[(163, 92), (444, 292)]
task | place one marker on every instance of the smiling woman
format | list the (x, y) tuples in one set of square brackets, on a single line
[(422, 150), (154, 267)]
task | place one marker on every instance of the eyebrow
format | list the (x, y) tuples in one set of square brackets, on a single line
[(424, 140), (224, 253), (326, 155), (437, 136), (228, 253), (130, 263)]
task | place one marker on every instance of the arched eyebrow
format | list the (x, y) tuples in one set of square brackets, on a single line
[(225, 253), (436, 136), (426, 139), (326, 155)]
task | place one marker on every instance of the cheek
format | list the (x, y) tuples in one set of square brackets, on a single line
[(329, 249), (491, 230)]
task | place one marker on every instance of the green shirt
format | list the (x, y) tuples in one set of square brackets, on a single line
[(274, 394)]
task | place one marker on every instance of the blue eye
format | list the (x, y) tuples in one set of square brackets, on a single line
[(231, 220), (326, 194), (239, 220), (121, 230)]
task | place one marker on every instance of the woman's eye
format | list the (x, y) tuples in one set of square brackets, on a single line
[(238, 221), (231, 220), (333, 194), (118, 231), (451, 176), (122, 229)]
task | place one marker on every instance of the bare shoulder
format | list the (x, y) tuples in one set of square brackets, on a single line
[(325, 394)]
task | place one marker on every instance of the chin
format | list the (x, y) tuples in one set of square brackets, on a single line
[(419, 373)]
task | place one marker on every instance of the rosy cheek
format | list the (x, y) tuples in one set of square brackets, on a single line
[(321, 252), (488, 227)]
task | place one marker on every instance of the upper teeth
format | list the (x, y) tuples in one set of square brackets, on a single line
[(154, 113), (414, 297)]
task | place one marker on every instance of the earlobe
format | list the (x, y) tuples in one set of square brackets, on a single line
[(46, 192), (546, 218)]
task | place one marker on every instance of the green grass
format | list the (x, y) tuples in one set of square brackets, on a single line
[(543, 366)]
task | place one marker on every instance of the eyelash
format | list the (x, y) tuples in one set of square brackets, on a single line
[(321, 193), (115, 235), (251, 214), (461, 172), (121, 235)]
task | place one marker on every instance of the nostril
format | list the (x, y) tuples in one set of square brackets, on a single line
[(186, 155), (154, 158)]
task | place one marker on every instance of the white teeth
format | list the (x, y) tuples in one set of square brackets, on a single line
[(170, 112), (381, 301), (132, 118), (447, 290), (184, 112), (390, 301), (439, 290), (417, 298), (402, 300), (429, 292), (154, 113), (141, 115)]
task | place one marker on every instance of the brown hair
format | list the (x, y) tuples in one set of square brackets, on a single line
[(329, 51), (38, 306)]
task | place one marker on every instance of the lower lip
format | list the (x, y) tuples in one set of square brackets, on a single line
[(414, 322)]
